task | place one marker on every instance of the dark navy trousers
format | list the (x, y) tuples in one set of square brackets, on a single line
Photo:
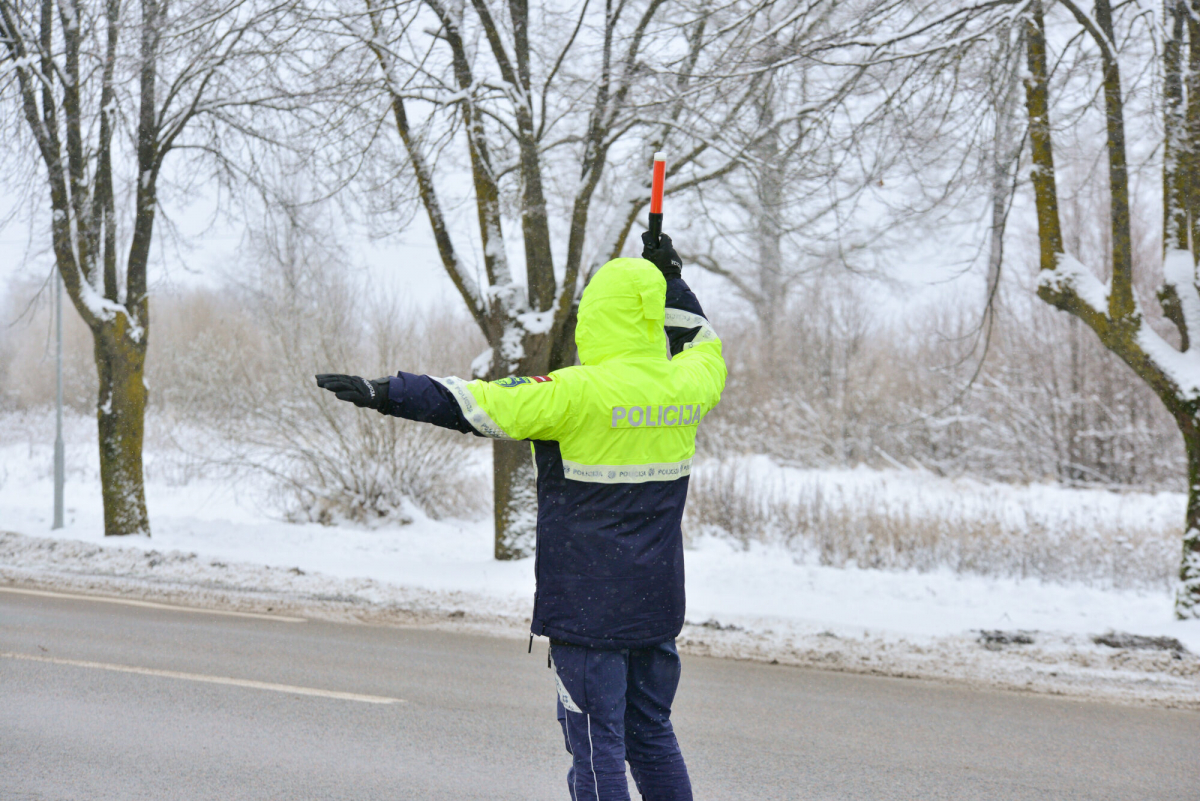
[(615, 706)]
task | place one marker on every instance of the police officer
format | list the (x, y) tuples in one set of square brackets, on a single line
[(613, 441)]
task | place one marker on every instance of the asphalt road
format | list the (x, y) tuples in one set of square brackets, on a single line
[(227, 707)]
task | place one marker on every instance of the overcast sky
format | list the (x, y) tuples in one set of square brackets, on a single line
[(204, 251)]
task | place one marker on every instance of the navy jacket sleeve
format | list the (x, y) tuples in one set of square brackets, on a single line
[(681, 298), (420, 398)]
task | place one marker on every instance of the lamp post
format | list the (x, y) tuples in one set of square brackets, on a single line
[(58, 437)]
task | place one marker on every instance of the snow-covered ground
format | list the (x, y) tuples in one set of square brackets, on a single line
[(214, 544)]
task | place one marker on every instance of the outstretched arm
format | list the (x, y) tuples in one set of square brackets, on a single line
[(408, 395), (535, 407), (426, 400)]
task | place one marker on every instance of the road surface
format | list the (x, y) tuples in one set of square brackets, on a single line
[(106, 700)]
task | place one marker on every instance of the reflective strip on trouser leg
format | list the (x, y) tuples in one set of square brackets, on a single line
[(566, 704), (594, 682)]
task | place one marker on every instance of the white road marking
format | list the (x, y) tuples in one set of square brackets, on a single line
[(151, 605), (173, 674)]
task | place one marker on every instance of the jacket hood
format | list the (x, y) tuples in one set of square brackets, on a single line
[(621, 313)]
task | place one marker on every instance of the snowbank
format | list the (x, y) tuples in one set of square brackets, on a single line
[(214, 545)]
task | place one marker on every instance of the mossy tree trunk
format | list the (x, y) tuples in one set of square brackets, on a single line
[(515, 509), (1187, 600), (1112, 311), (120, 417)]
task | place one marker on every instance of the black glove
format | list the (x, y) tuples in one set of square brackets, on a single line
[(359, 391), (662, 255)]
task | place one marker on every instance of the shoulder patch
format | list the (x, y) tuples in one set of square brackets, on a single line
[(517, 380)]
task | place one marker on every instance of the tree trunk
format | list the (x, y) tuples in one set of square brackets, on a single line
[(121, 417), (1037, 102), (516, 505), (1121, 327), (1187, 599)]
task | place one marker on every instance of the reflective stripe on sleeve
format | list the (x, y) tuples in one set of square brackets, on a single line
[(626, 473), (678, 318), (476, 416)]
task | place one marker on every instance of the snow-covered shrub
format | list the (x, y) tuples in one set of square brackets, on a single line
[(239, 364)]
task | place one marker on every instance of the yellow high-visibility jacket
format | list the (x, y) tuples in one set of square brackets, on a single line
[(613, 442)]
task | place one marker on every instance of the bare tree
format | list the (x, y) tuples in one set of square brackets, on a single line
[(543, 104), (104, 92), (1112, 309), (899, 107)]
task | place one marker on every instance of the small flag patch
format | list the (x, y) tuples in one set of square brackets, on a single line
[(518, 380)]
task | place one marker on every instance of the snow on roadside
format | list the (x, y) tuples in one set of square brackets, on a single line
[(753, 605), (189, 579), (903, 635), (760, 604), (730, 584), (213, 546)]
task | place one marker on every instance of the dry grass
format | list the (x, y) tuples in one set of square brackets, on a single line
[(978, 535)]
